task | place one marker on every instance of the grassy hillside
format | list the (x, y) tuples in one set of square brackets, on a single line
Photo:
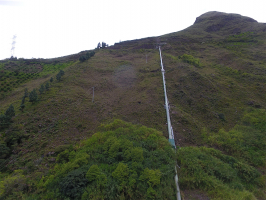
[(215, 76)]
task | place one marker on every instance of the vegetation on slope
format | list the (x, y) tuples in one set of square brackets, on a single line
[(223, 176), (15, 73), (215, 75), (123, 161)]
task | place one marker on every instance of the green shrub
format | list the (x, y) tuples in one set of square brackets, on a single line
[(14, 183), (113, 164), (62, 148), (33, 97), (63, 157), (42, 89), (87, 56), (74, 184), (246, 140), (191, 60), (220, 175), (82, 58), (5, 120)]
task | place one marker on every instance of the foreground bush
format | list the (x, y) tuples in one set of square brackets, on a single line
[(230, 174), (247, 140), (124, 161), (221, 176)]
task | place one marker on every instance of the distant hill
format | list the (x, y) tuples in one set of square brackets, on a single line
[(216, 80)]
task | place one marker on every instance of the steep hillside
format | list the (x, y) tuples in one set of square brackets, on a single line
[(215, 76)]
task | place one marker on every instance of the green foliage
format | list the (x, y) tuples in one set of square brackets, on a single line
[(87, 56), (26, 93), (73, 184), (221, 116), (242, 37), (61, 148), (4, 150), (135, 154), (191, 60), (92, 53), (93, 173), (151, 176), (82, 58), (47, 86), (63, 157), (121, 172), (104, 45), (62, 72), (41, 90), (246, 140), (58, 77), (12, 184), (99, 45), (33, 97), (5, 119), (218, 174), (10, 112), (115, 163), (4, 122), (19, 72), (22, 106)]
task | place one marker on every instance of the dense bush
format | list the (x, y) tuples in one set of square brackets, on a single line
[(74, 184), (33, 97), (59, 75), (41, 89), (191, 60), (246, 140), (222, 176), (87, 56), (123, 161), (5, 119), (13, 185)]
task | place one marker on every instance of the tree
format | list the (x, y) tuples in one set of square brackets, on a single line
[(33, 97), (41, 90), (5, 119), (104, 45), (47, 86), (99, 45), (58, 77), (92, 53), (51, 79), (22, 105), (82, 58), (88, 55), (26, 93), (62, 72), (10, 112)]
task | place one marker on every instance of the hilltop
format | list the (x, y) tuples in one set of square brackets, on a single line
[(215, 77)]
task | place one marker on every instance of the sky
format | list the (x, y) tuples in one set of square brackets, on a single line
[(54, 28)]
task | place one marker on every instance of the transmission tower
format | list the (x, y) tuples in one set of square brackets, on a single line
[(13, 45)]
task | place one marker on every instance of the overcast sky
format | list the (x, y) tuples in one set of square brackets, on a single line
[(53, 28)]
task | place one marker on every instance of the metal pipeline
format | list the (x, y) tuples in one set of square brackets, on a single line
[(170, 129)]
